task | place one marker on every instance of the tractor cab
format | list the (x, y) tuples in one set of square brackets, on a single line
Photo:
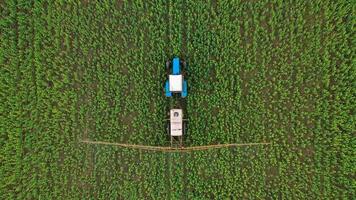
[(176, 84)]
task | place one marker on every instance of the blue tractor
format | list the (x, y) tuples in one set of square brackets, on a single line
[(176, 84)]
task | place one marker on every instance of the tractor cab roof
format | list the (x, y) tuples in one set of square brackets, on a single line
[(175, 83)]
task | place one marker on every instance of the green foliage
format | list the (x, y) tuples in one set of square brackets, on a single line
[(272, 71)]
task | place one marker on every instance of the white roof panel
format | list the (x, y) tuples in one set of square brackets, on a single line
[(175, 83)]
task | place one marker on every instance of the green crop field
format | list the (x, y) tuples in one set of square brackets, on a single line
[(281, 72)]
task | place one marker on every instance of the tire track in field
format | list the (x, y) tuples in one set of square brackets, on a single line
[(168, 47), (168, 175), (185, 174), (87, 121), (184, 48), (19, 108)]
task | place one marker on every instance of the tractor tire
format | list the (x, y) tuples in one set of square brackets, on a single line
[(182, 62), (168, 64), (185, 128), (168, 129), (185, 67)]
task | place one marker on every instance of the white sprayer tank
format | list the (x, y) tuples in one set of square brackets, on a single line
[(176, 119)]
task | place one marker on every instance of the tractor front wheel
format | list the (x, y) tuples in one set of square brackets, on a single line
[(168, 63), (183, 63), (184, 66)]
